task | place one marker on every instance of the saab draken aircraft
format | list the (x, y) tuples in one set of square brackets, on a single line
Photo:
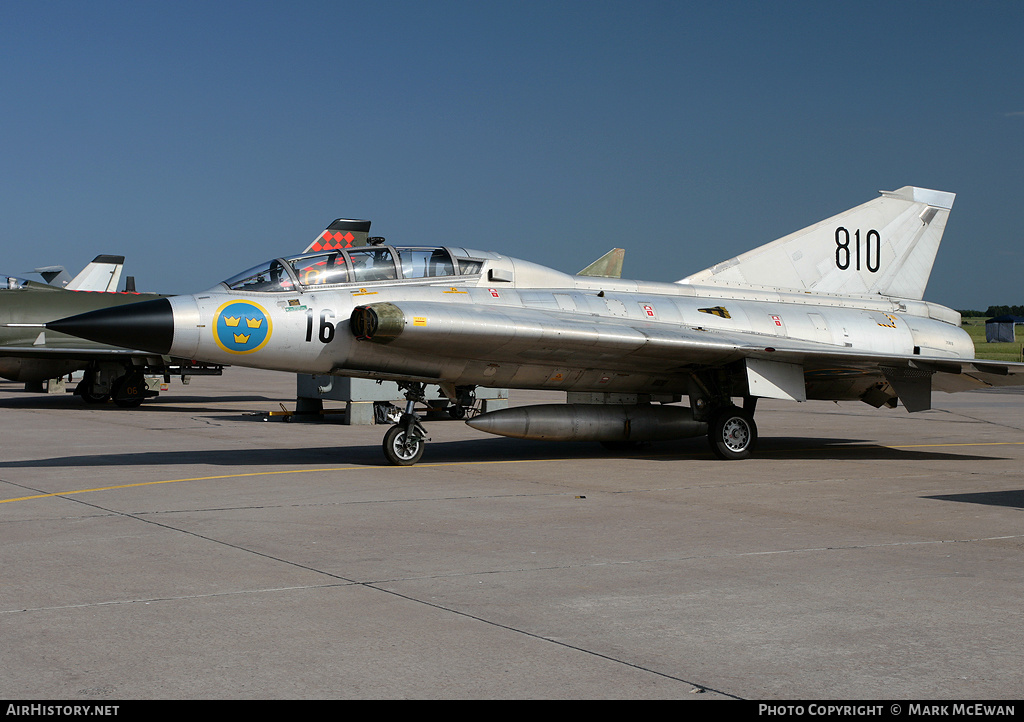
[(29, 353), (834, 312)]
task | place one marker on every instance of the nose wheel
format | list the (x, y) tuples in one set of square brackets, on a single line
[(405, 441), (403, 447)]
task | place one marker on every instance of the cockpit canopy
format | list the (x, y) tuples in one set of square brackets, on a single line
[(356, 265)]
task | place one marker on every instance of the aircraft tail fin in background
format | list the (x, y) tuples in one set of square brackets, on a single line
[(54, 275), (101, 275), (884, 247), (607, 266), (342, 233)]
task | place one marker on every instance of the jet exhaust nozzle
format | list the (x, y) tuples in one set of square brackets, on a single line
[(591, 422), (144, 326)]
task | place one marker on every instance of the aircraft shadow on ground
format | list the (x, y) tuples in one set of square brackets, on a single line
[(1012, 498), (489, 450)]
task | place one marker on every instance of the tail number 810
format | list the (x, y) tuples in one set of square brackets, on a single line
[(861, 255)]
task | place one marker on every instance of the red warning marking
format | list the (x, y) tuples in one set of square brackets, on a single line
[(333, 240)]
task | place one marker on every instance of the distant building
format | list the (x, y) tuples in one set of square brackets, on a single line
[(1002, 329)]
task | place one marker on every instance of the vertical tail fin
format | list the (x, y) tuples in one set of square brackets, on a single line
[(607, 266), (886, 246), (54, 275), (101, 275)]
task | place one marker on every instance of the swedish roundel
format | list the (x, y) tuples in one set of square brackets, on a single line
[(241, 327)]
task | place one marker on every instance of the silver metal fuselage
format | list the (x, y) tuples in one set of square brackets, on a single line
[(516, 324)]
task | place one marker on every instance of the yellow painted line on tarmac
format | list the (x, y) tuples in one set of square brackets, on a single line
[(441, 464), (170, 481), (261, 473)]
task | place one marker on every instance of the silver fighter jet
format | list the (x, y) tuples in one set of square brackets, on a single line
[(834, 311)]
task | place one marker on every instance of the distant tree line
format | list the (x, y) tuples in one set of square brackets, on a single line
[(994, 311)]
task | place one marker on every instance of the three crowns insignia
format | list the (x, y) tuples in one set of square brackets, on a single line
[(233, 322)]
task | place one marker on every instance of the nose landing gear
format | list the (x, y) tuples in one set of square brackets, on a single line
[(405, 442)]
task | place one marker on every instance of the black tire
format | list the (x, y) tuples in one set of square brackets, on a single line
[(401, 451), (732, 433), (87, 389), (128, 391), (93, 397)]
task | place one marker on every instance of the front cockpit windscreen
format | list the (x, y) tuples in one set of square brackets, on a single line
[(354, 265), (267, 277)]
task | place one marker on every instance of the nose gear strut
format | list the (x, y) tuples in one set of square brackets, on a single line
[(405, 441)]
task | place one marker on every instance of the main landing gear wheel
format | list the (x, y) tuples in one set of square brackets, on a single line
[(732, 433), (129, 390), (87, 389), (403, 447), (90, 396)]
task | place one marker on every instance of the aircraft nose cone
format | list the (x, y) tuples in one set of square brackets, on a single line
[(144, 326)]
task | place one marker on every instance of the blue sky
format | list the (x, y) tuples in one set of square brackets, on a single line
[(200, 138)]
